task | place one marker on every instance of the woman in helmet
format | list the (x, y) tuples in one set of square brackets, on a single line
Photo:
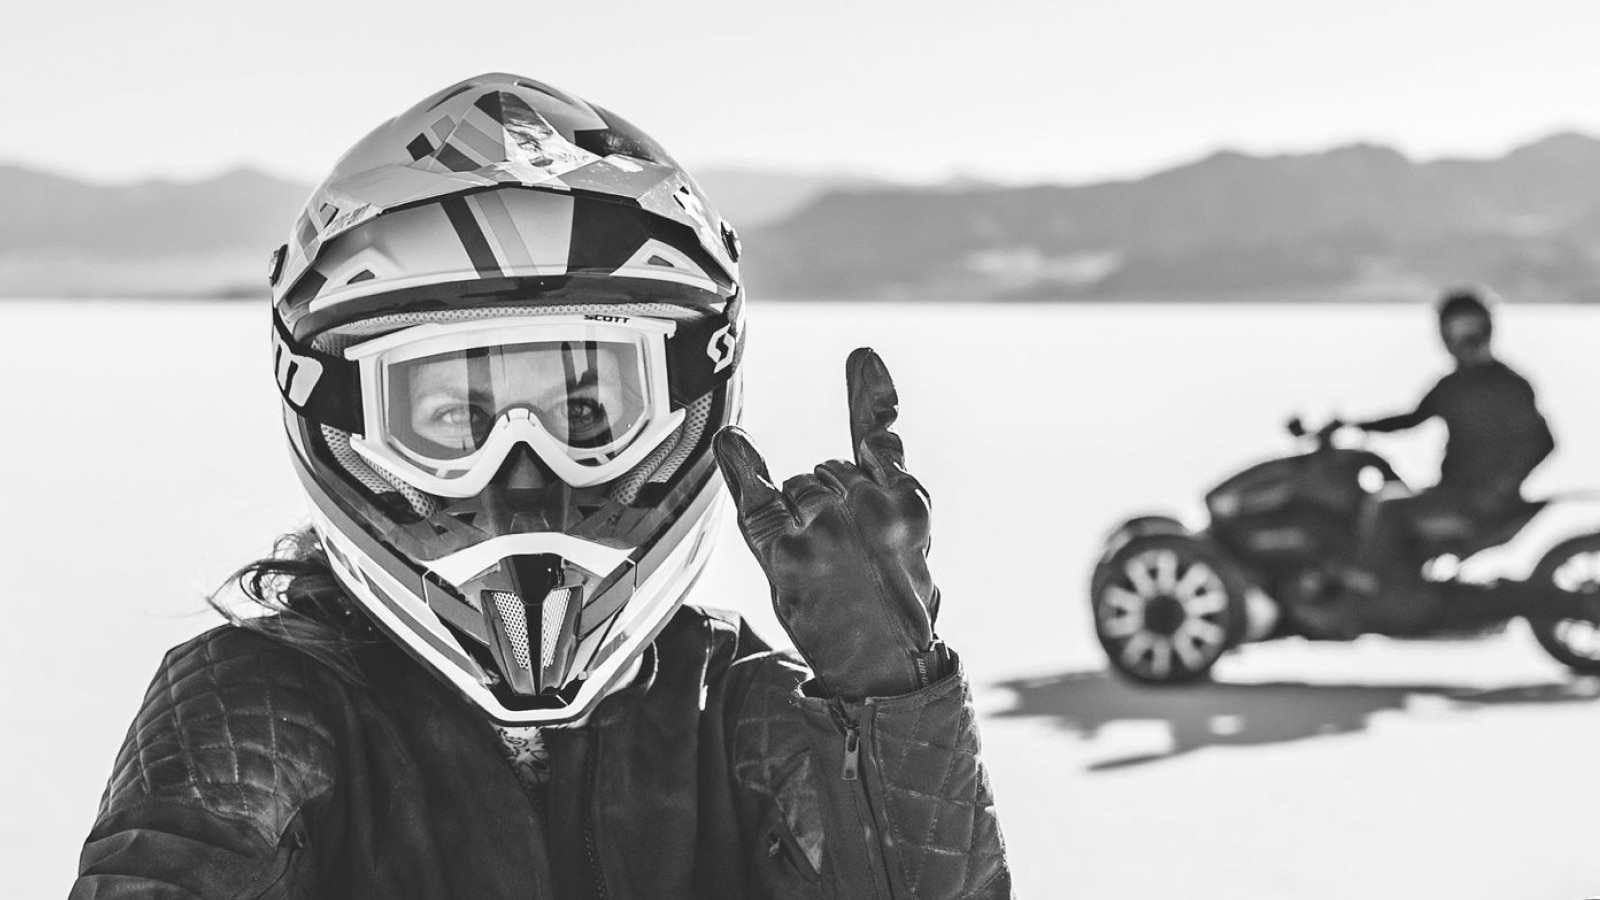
[(507, 331)]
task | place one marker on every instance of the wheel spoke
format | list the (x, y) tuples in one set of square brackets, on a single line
[(1135, 648), (1167, 571), (1203, 603), (1187, 651), (1139, 576), (1160, 657), (1121, 613), (1121, 626), (1196, 579), (1122, 601), (1201, 631)]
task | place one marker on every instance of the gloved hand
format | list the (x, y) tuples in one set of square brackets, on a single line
[(845, 549)]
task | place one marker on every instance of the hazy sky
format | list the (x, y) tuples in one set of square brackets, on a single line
[(1007, 89)]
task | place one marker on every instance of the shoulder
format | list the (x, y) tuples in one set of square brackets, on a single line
[(720, 633), (1458, 386), (1506, 373), (1449, 381), (731, 648), (708, 620), (233, 723)]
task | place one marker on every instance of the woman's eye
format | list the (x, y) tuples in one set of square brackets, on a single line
[(586, 418), (458, 415)]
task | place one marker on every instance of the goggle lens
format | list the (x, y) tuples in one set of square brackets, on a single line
[(587, 395)]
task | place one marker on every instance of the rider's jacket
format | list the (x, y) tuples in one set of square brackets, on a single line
[(1496, 432), (254, 771)]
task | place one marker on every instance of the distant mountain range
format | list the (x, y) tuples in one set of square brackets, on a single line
[(1357, 222), (65, 238)]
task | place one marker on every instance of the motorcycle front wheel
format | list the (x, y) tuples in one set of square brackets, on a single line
[(1166, 607)]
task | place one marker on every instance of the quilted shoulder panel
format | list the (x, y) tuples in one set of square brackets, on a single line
[(767, 733), (233, 723), (771, 750)]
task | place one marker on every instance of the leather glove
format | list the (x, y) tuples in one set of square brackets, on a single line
[(845, 549)]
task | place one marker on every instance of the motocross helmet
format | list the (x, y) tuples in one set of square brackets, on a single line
[(505, 329)]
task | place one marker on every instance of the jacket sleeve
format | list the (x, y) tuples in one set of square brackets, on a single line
[(1426, 409), (889, 793), (207, 793)]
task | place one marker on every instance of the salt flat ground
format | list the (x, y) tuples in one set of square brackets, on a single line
[(145, 463)]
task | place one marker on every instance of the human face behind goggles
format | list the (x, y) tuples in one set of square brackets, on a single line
[(584, 394)]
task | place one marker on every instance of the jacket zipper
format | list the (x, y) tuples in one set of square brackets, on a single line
[(851, 771), (852, 740), (852, 755), (589, 845)]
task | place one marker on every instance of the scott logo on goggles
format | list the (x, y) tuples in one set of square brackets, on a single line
[(601, 317), (721, 347)]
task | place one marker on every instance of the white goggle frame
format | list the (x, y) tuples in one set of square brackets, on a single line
[(468, 475)]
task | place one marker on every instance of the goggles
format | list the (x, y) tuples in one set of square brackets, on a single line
[(443, 405)]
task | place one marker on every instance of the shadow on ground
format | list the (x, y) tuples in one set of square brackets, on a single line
[(1216, 714)]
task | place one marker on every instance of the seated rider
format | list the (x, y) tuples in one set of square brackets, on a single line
[(1497, 437)]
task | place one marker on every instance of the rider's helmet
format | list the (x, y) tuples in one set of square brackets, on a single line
[(505, 329), (1466, 322)]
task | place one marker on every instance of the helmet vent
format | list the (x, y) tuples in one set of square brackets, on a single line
[(514, 615), (516, 621), (555, 614)]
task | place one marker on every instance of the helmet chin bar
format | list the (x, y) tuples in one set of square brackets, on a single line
[(539, 594), (599, 659)]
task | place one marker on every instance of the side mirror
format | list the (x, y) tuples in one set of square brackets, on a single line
[(1297, 427)]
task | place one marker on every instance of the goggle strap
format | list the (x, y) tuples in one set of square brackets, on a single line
[(319, 386), (326, 388), (700, 356)]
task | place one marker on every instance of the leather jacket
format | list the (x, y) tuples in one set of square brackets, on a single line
[(254, 771)]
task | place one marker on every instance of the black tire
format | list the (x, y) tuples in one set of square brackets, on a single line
[(1573, 566), (1138, 527), (1166, 607)]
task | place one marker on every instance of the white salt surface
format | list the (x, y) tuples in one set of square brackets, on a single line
[(146, 462)]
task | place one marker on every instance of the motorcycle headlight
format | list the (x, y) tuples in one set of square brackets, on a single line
[(1224, 504)]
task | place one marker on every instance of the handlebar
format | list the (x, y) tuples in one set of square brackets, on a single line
[(1324, 439), (1323, 435)]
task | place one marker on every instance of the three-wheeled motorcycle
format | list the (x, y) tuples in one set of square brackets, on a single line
[(1169, 600)]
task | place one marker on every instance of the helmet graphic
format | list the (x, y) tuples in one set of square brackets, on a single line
[(505, 328)]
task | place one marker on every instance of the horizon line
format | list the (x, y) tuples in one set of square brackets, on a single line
[(953, 175)]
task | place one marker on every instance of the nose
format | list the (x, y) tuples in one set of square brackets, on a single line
[(523, 495), (523, 470)]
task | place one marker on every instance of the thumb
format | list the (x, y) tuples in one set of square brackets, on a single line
[(745, 472)]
